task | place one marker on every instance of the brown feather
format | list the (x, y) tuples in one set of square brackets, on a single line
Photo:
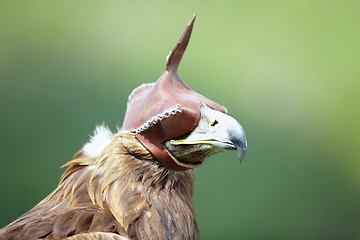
[(125, 191), (96, 236)]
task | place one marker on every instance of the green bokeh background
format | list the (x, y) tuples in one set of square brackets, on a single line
[(287, 70)]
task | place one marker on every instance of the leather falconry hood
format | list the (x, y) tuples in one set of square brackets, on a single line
[(167, 109)]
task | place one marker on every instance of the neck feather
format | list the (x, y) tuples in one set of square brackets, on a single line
[(148, 200)]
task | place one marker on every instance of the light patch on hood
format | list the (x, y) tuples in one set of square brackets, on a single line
[(101, 138)]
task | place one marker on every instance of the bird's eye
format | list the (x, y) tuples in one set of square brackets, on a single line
[(214, 123)]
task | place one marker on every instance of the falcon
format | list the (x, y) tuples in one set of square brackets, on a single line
[(138, 183)]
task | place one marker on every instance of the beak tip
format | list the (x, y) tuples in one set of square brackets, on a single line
[(241, 154)]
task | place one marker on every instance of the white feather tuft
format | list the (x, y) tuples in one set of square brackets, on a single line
[(98, 142)]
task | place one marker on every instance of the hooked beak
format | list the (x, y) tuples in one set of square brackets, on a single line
[(220, 131)]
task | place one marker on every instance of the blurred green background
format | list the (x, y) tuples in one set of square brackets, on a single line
[(289, 71)]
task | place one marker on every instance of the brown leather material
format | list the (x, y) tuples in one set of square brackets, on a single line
[(148, 103)]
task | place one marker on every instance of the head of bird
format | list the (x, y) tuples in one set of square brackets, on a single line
[(179, 126)]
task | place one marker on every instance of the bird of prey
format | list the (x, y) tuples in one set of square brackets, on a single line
[(138, 183)]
